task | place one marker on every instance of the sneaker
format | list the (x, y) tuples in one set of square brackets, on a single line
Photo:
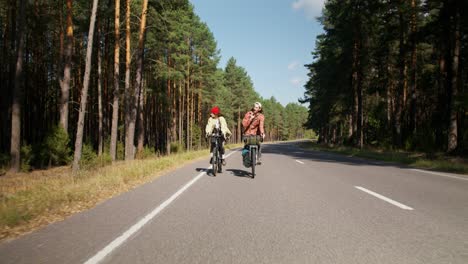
[(259, 161), (224, 162)]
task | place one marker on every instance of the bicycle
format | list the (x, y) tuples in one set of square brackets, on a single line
[(252, 143), (216, 160)]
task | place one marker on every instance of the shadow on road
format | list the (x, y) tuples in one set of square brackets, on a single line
[(294, 150), (209, 172), (239, 173), (202, 169)]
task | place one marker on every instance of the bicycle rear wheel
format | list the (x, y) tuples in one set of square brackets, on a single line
[(220, 165)]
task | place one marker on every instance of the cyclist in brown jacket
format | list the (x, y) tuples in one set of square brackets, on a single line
[(253, 124)]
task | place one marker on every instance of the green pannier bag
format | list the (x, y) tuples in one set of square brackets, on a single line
[(252, 140)]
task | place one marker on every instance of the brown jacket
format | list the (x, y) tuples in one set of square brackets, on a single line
[(255, 127)]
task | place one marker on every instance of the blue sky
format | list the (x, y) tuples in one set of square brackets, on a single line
[(271, 39)]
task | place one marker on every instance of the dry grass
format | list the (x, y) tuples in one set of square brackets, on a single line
[(31, 200)]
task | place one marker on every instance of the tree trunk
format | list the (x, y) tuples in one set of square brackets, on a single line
[(5, 99), (389, 98), (357, 85), (412, 125), (139, 73), (175, 112), (453, 128), (108, 77), (192, 119), (15, 148), (402, 86), (65, 82), (441, 114), (175, 98), (115, 103), (199, 117), (84, 91), (129, 95), (354, 85), (141, 123), (181, 113), (100, 114), (187, 132), (350, 128), (168, 116)]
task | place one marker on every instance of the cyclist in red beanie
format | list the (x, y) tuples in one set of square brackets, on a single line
[(217, 122)]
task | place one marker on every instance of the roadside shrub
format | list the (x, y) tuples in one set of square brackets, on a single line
[(4, 161), (423, 140), (120, 155), (104, 159), (27, 156), (88, 157), (177, 147), (120, 151), (309, 133), (145, 153), (196, 136), (55, 149)]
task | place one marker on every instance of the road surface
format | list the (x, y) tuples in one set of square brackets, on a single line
[(303, 207)]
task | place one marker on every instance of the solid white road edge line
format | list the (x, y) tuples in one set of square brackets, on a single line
[(300, 161), (132, 230), (440, 174), (388, 200)]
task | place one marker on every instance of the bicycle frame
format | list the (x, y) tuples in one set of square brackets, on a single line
[(216, 163), (252, 143), (253, 158)]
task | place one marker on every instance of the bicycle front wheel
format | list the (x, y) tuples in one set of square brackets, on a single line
[(214, 163), (254, 160)]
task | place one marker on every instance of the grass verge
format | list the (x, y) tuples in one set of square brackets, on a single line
[(31, 200), (430, 161)]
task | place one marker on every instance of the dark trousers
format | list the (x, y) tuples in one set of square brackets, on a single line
[(220, 145)]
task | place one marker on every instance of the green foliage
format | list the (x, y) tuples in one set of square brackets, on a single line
[(295, 117), (120, 155), (13, 215), (55, 149), (146, 153), (177, 147), (368, 49), (239, 83), (88, 157), (4, 162), (120, 149), (104, 159), (27, 156), (196, 132), (310, 134), (423, 140)]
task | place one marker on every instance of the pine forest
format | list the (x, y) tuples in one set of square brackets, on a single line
[(118, 80), (391, 74)]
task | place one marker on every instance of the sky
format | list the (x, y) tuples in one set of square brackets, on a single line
[(271, 39)]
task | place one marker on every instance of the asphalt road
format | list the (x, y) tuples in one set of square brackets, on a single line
[(303, 207)]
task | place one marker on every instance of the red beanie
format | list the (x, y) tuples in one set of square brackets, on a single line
[(215, 110)]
